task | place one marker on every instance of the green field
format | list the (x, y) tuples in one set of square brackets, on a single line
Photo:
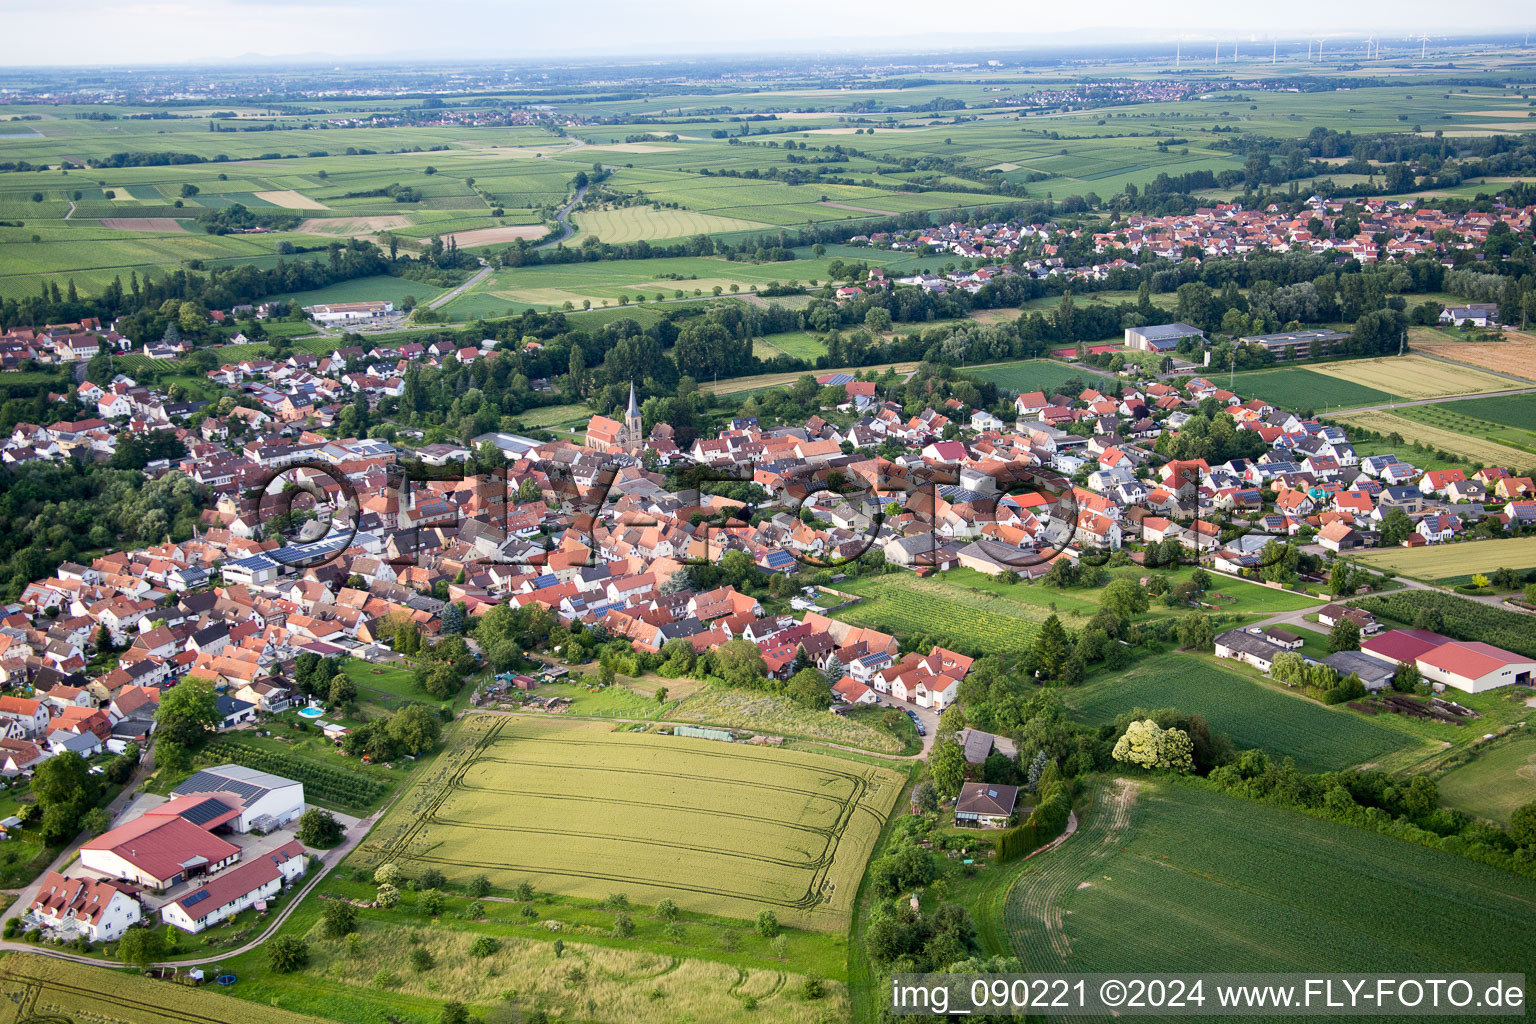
[(579, 809), (1518, 411), (965, 620), (1453, 561), (368, 289), (1035, 375), (1254, 714), (633, 223), (1235, 885), (800, 344), (1295, 387), (976, 613), (1494, 783)]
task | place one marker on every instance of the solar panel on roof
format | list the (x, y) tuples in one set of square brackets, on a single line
[(205, 811), (194, 898)]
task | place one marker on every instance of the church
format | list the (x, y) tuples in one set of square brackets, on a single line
[(606, 434)]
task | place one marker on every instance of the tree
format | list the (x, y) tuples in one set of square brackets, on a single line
[(96, 821), (1050, 649), (287, 953), (141, 947), (1125, 597), (480, 885), (1196, 632), (667, 910), (739, 662), (1395, 527), (1154, 748), (1344, 636), (343, 691), (188, 712), (387, 874), (623, 926), (455, 1012), (947, 766), (340, 918), (767, 924), (925, 798), (1522, 824), (808, 688), (319, 829), (415, 728), (387, 897)]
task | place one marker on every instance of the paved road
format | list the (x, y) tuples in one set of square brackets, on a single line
[(449, 296), (563, 216), (328, 860)]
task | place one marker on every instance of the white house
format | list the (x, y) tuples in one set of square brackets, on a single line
[(227, 894), (96, 909)]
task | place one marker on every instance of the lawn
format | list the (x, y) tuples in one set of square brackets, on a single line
[(1494, 783), (800, 344), (1240, 886), (1033, 375), (584, 811), (1253, 713), (1450, 561), (1296, 387), (1506, 410)]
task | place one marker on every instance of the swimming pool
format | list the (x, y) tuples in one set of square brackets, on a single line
[(310, 712)]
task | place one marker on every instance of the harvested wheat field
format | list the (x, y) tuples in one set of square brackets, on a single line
[(1412, 377), (288, 199), (490, 236), (1516, 355), (165, 224)]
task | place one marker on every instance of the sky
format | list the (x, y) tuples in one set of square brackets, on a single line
[(54, 32)]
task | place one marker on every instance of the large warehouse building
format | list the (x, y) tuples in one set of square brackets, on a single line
[(265, 801)]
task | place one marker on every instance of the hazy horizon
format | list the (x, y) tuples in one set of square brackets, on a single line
[(203, 34)]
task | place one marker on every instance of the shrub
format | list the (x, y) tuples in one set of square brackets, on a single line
[(483, 947), (623, 926), (387, 897), (385, 979), (431, 902), (479, 885), (422, 959), (287, 953), (387, 874), (767, 924), (340, 918)]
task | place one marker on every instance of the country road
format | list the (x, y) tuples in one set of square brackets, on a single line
[(449, 296), (563, 216)]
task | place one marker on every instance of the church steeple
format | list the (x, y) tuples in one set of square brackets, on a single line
[(634, 424)]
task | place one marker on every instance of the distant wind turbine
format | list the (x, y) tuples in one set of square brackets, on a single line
[(1423, 45)]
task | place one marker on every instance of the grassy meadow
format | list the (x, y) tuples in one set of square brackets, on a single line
[(1253, 713)]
